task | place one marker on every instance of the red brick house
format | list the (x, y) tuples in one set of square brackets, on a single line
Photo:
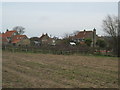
[(3, 39), (7, 36), (82, 35), (12, 37), (20, 40)]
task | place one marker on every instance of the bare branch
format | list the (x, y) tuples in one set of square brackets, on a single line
[(19, 29)]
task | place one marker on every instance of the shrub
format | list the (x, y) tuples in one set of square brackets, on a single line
[(88, 42), (101, 43)]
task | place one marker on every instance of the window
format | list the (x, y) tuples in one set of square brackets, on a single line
[(14, 34)]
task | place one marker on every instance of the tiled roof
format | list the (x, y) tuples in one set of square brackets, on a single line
[(83, 34), (18, 38), (44, 36), (9, 33), (15, 41)]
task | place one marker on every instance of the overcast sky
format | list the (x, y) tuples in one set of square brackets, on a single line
[(56, 18)]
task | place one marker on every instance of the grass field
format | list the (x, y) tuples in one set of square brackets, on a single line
[(30, 70)]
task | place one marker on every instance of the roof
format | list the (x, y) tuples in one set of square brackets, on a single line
[(34, 38), (9, 33), (15, 41), (18, 38), (83, 34), (44, 36)]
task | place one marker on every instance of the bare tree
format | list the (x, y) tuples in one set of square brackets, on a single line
[(119, 35), (19, 29), (76, 32), (66, 35), (110, 26)]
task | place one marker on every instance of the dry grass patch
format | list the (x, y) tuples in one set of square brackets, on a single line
[(63, 71)]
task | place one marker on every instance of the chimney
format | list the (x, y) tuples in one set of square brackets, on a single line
[(7, 30), (84, 31), (94, 37), (94, 30)]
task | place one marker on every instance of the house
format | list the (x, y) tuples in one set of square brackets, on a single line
[(7, 36), (19, 40), (35, 41), (46, 40), (3, 40), (12, 38), (82, 35)]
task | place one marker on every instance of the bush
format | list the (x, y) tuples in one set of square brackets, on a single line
[(88, 42), (101, 43)]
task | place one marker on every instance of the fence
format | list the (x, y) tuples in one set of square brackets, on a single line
[(58, 49), (50, 49)]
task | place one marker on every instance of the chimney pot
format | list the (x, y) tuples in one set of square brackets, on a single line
[(94, 29)]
